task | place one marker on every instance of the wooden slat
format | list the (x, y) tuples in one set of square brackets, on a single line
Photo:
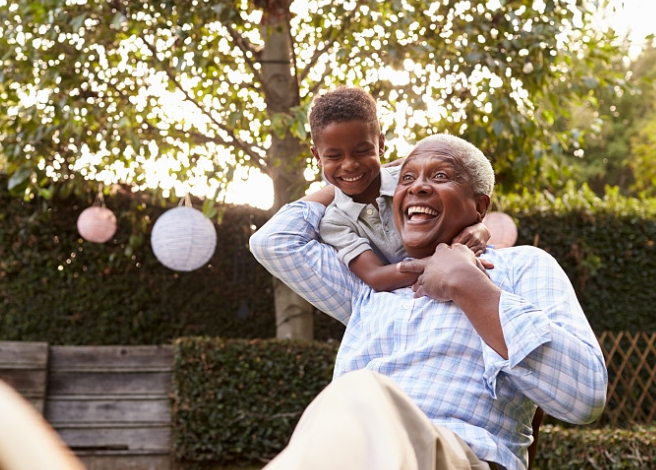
[(107, 411), (109, 383), (23, 355), (113, 358), (117, 438)]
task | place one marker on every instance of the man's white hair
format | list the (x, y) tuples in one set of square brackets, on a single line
[(475, 162)]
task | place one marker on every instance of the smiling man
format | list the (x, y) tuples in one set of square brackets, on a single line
[(446, 374)]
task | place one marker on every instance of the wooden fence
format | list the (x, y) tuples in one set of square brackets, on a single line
[(631, 362)]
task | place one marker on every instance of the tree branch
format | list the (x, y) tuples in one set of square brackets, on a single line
[(329, 40), (245, 47), (236, 142)]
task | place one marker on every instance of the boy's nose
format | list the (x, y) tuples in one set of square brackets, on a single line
[(349, 162)]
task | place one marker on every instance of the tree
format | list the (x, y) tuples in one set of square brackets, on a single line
[(620, 153), (84, 84)]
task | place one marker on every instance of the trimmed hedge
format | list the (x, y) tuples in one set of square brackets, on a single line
[(605, 245), (239, 400), (596, 449)]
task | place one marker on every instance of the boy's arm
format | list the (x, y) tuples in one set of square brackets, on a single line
[(475, 237), (369, 268), (323, 196)]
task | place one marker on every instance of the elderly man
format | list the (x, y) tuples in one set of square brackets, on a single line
[(451, 370)]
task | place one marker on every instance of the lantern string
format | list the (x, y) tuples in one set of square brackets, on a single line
[(186, 201), (100, 198)]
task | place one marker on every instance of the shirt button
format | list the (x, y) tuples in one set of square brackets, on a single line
[(407, 305), (370, 211)]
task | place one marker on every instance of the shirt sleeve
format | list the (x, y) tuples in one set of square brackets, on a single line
[(339, 231), (288, 247), (554, 357)]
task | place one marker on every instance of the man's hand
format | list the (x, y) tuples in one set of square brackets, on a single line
[(451, 267)]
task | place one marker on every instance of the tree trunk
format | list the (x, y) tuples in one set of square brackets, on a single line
[(285, 166)]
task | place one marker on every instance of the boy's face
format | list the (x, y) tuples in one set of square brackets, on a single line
[(349, 153)]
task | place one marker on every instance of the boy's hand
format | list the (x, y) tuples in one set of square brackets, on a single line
[(474, 237)]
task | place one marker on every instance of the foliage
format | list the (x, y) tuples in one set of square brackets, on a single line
[(621, 153), (240, 400), (90, 87), (605, 245), (596, 449)]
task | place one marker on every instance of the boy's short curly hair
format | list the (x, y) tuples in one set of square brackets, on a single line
[(342, 104)]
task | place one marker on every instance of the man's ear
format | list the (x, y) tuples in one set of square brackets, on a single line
[(381, 144), (482, 204), (313, 149)]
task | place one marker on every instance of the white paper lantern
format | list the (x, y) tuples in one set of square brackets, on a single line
[(183, 239), (96, 224), (502, 229)]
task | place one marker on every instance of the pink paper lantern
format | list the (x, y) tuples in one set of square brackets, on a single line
[(502, 228), (96, 224)]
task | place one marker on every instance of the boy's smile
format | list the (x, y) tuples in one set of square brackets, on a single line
[(349, 154)]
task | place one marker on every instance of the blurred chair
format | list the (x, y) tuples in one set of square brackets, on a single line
[(27, 442), (533, 448)]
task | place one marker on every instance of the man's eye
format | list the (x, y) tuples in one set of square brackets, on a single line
[(441, 175), (407, 177)]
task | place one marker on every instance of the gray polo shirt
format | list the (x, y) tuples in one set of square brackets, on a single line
[(353, 228)]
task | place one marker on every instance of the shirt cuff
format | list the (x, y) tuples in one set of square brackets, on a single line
[(525, 328)]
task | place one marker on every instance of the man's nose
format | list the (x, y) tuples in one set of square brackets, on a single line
[(420, 186)]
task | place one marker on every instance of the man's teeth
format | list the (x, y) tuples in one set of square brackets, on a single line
[(421, 210), (351, 179)]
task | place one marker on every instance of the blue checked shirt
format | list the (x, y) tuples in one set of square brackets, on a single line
[(432, 352)]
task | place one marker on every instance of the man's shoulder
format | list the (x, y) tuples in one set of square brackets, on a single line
[(519, 254)]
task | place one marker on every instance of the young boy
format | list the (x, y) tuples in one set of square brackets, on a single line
[(348, 144)]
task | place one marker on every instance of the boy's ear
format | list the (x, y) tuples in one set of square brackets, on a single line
[(482, 204), (381, 144), (313, 149)]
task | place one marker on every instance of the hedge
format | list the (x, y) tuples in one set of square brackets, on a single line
[(596, 449), (605, 245), (238, 401)]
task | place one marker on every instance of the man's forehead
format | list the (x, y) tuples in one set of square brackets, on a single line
[(440, 151)]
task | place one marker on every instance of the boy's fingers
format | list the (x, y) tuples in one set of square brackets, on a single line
[(487, 264), (410, 266)]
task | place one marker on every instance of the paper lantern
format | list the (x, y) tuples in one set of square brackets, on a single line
[(502, 228), (96, 224), (183, 239)]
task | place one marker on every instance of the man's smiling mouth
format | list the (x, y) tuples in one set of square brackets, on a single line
[(420, 213)]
